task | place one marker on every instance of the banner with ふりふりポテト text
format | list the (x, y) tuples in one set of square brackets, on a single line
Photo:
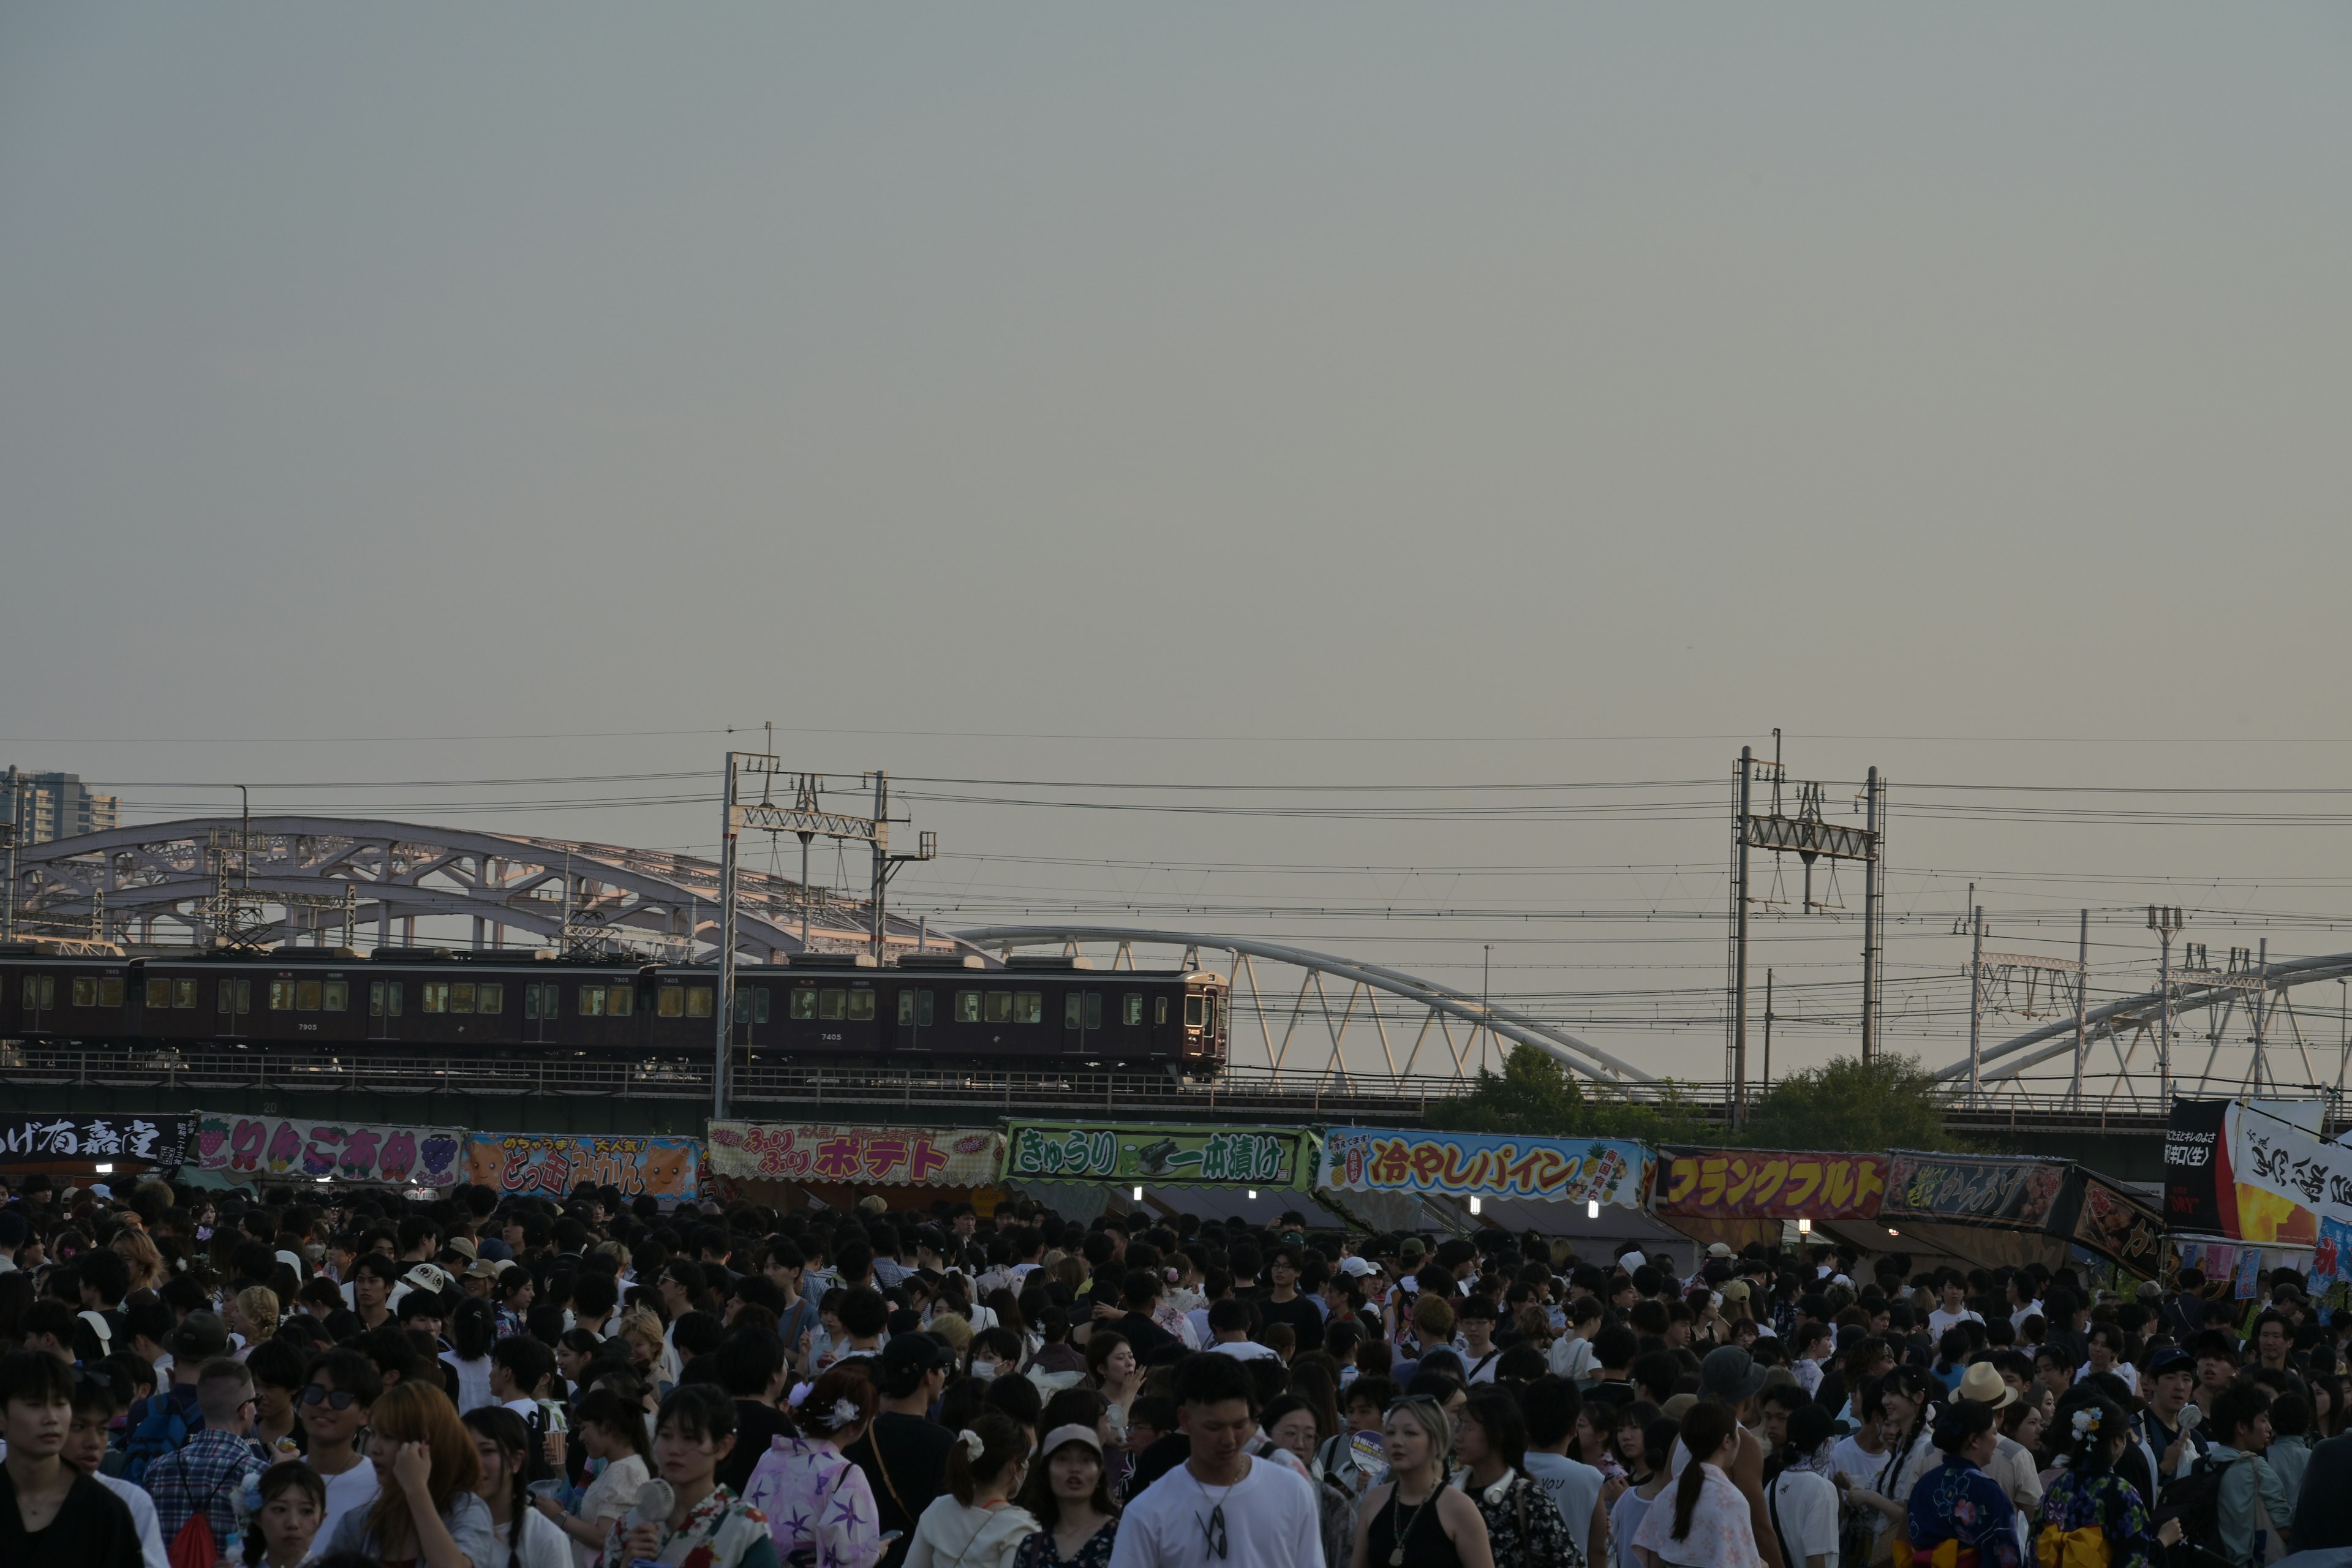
[(312, 1149), (879, 1156), (1472, 1164), (550, 1164)]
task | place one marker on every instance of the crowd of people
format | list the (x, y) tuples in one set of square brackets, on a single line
[(353, 1377)]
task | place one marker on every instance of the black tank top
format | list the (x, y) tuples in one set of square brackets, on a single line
[(1424, 1543)]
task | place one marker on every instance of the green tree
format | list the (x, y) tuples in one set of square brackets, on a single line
[(1535, 1096), (1850, 1104)]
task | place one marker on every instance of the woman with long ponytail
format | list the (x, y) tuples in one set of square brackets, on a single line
[(1707, 1523)]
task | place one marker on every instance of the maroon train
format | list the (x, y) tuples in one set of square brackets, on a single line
[(820, 1008)]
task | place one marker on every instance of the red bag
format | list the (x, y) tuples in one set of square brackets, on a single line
[(193, 1546)]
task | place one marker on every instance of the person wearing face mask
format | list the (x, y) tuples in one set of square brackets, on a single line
[(995, 1353)]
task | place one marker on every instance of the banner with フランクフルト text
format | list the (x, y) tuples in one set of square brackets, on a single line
[(550, 1164), (1166, 1156), (312, 1149), (1470, 1164), (1768, 1184), (864, 1156)]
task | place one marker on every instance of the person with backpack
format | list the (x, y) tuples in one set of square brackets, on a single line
[(196, 1486), (161, 1422), (2250, 1514), (2091, 1516)]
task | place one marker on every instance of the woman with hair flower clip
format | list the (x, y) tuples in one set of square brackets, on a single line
[(2089, 1514), (819, 1505)]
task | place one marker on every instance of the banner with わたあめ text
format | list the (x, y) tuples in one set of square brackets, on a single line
[(1471, 1165), (305, 1149), (1279, 1157), (550, 1164), (877, 1156), (1769, 1183)]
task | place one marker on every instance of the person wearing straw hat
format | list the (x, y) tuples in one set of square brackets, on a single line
[(2011, 1464)]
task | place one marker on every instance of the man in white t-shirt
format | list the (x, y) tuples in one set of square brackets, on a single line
[(1802, 1504), (1229, 1324), (1575, 1487), (1220, 1508), (1954, 1308)]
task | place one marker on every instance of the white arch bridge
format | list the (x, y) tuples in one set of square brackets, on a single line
[(1301, 1018), (2235, 1030)]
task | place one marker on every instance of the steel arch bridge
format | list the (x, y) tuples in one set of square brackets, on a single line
[(2250, 1039), (1450, 1026), (316, 876)]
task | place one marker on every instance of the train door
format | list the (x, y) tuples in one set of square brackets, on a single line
[(40, 1001), (542, 1005), (751, 1011), (917, 1014), (386, 1000), (1081, 1021), (233, 1007)]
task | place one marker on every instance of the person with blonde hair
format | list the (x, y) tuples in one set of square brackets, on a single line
[(139, 1249), (641, 1330), (1414, 1519), (425, 1510), (252, 1317)]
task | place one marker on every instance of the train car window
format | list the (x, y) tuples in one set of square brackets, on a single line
[(1224, 1015), (1072, 1004), (1130, 1011), (670, 1002), (1094, 1009), (1196, 1011), (1028, 1007), (338, 996), (110, 993), (392, 994), (861, 1007), (1000, 1006), (700, 1000), (758, 1005), (804, 1003), (531, 1002), (245, 995), (831, 1004), (40, 991), (375, 999), (436, 996), (923, 1009), (85, 991), (967, 1006), (752, 1004), (461, 997), (489, 998), (906, 1008), (591, 1001), (159, 994), (228, 996), (306, 996), (281, 996), (620, 1001), (1160, 1010), (183, 993)]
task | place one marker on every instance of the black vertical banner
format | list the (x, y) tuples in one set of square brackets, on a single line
[(2194, 1159)]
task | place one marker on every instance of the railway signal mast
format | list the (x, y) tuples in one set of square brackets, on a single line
[(806, 819), (1757, 824)]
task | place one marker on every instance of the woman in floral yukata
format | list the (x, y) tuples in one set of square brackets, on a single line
[(707, 1526), (819, 1505), (1958, 1516), (2089, 1502)]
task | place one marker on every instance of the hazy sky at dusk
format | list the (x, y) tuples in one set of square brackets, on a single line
[(1334, 394)]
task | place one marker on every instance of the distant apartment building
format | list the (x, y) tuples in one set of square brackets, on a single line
[(46, 806)]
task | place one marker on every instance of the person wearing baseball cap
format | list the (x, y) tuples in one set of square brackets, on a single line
[(1070, 1495), (2169, 1424)]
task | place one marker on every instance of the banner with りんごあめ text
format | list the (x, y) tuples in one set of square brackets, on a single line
[(862, 1156), (1471, 1165), (550, 1164), (313, 1149)]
